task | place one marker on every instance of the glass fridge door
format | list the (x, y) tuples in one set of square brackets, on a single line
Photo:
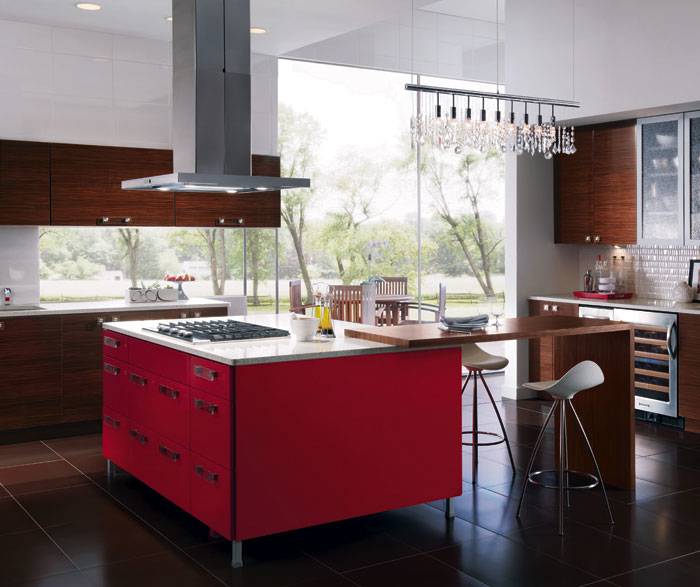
[(660, 180), (692, 178)]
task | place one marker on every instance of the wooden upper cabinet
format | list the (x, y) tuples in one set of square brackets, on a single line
[(258, 210), (86, 186), (573, 191), (24, 183), (615, 183), (595, 190)]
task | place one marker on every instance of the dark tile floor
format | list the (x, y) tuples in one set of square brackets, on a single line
[(63, 525)]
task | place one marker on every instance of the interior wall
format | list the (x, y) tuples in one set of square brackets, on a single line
[(79, 86), (534, 264)]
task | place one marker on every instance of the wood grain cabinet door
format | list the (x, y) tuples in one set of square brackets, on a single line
[(24, 183), (542, 350), (259, 210), (573, 192), (689, 370), (86, 186), (615, 184), (30, 371)]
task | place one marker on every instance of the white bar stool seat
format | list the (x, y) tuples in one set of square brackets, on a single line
[(582, 376), (476, 360)]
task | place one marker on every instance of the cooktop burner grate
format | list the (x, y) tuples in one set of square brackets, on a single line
[(200, 331)]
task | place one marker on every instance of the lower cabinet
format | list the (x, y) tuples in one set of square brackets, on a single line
[(542, 350), (52, 368), (689, 370)]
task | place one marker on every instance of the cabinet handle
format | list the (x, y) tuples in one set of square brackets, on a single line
[(197, 314), (141, 438), (171, 454), (546, 307), (100, 321), (2, 326), (555, 308), (138, 380), (183, 314), (112, 422), (167, 392), (104, 220), (200, 404), (111, 369), (588, 238), (229, 221), (111, 342), (596, 238), (204, 474), (204, 373), (127, 220)]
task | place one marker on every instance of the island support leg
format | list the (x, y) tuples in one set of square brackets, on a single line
[(236, 554), (111, 469), (449, 508)]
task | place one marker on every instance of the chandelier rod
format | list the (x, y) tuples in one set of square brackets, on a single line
[(492, 95)]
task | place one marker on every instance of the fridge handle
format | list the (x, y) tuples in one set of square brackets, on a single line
[(672, 341)]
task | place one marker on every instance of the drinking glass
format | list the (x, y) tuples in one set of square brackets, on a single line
[(495, 308)]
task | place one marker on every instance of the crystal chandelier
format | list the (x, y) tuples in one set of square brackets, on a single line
[(457, 127)]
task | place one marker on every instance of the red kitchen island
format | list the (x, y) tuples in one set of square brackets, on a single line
[(263, 436)]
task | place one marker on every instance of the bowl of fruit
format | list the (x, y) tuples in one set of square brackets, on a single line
[(180, 278)]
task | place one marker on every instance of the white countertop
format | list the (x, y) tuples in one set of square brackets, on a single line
[(109, 306), (270, 350), (634, 303)]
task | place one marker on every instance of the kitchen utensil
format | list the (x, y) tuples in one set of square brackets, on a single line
[(167, 294)]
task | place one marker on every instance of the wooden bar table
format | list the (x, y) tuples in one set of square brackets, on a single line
[(606, 411)]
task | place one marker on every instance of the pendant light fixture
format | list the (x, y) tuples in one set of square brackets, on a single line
[(457, 130)]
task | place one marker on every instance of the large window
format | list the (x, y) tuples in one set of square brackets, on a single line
[(348, 129)]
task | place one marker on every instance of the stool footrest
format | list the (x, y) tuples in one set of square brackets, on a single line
[(549, 478), (500, 437)]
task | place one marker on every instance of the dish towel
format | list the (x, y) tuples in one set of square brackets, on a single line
[(466, 324)]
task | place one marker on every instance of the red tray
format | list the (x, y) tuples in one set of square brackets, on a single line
[(594, 295)]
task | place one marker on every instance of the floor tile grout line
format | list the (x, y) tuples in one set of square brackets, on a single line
[(3, 467), (43, 531), (645, 567), (327, 566), (449, 566), (133, 513)]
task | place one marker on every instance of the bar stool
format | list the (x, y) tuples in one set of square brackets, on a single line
[(477, 360), (580, 377)]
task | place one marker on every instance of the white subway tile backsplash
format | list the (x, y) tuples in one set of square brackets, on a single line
[(85, 77), (85, 43)]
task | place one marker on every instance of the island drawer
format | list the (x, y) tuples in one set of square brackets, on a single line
[(210, 427), (172, 463), (158, 359), (210, 494), (115, 345), (168, 409), (142, 454), (115, 438), (211, 377), (114, 393)]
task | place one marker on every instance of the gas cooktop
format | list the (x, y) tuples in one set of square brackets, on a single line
[(201, 331)]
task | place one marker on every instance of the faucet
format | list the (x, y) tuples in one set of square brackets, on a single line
[(7, 296)]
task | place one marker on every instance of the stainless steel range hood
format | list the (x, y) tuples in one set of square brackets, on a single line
[(211, 103)]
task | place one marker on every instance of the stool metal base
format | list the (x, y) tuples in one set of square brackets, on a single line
[(475, 422), (535, 476), (501, 438), (563, 471)]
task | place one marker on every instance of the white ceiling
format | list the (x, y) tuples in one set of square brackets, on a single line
[(291, 24)]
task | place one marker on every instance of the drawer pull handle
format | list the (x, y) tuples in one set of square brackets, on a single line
[(111, 342), (111, 369), (112, 422), (204, 474), (200, 404), (141, 438), (555, 308), (204, 373), (138, 380), (167, 392), (171, 454)]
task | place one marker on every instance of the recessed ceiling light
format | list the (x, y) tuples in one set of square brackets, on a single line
[(256, 30), (88, 6), (169, 18)]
